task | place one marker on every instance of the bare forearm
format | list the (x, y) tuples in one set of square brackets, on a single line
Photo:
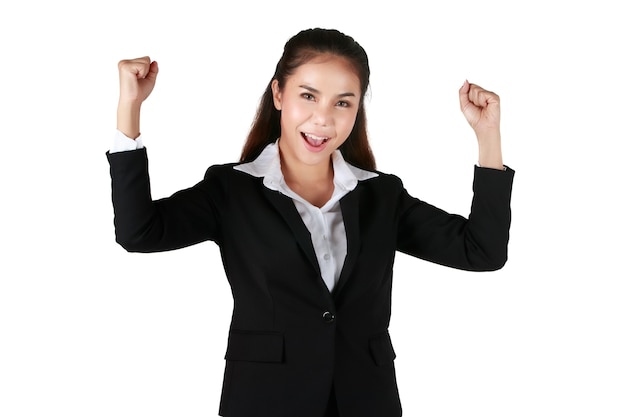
[(128, 117), (481, 108), (490, 150), (137, 79)]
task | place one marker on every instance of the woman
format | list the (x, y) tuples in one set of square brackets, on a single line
[(308, 231)]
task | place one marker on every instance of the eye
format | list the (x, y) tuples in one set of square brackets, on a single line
[(343, 104), (307, 96)]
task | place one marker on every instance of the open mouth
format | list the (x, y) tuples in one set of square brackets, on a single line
[(313, 140)]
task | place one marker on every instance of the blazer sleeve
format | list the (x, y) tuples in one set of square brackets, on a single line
[(478, 243), (187, 217)]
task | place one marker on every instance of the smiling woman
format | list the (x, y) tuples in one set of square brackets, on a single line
[(318, 106), (308, 231), (319, 103)]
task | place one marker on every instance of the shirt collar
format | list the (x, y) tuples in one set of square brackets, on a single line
[(267, 166)]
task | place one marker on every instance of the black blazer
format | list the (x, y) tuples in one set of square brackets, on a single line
[(291, 340)]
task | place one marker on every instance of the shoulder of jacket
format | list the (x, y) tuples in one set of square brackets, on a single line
[(221, 169), (386, 178)]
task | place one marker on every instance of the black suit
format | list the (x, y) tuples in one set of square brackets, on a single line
[(291, 340)]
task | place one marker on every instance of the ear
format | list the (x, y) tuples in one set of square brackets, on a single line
[(277, 95)]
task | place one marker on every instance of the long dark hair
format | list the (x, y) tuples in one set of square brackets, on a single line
[(299, 50)]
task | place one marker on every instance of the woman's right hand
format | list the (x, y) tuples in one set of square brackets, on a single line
[(137, 79)]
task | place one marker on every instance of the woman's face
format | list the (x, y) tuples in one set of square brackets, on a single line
[(318, 104)]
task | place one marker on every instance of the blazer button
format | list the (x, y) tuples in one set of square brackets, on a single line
[(328, 317)]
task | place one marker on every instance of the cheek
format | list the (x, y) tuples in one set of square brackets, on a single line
[(294, 112), (346, 123)]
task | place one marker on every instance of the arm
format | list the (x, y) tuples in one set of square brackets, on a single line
[(481, 108), (480, 241), (141, 224), (137, 80)]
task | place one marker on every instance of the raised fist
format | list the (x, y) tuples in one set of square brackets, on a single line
[(137, 78)]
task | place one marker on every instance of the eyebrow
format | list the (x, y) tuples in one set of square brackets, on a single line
[(313, 90)]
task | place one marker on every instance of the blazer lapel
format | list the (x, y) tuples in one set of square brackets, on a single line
[(350, 214), (288, 210)]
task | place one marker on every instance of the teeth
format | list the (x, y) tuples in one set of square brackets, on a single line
[(316, 137)]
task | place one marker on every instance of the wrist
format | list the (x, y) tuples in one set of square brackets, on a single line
[(128, 116), (490, 155), (490, 149)]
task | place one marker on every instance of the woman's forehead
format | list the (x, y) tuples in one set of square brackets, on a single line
[(330, 71)]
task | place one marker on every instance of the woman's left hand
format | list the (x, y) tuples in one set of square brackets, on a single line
[(481, 108)]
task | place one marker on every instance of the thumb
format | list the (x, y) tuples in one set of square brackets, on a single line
[(464, 100), (152, 71)]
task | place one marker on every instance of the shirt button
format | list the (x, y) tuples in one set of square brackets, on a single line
[(328, 317), (326, 256)]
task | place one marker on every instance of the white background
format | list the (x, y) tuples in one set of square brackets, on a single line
[(87, 329)]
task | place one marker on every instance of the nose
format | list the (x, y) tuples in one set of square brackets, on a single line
[(322, 116)]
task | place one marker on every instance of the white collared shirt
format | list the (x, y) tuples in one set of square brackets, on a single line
[(325, 224)]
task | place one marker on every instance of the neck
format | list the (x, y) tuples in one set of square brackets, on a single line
[(312, 182), (295, 172)]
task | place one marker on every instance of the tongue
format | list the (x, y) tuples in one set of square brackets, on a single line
[(314, 142)]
